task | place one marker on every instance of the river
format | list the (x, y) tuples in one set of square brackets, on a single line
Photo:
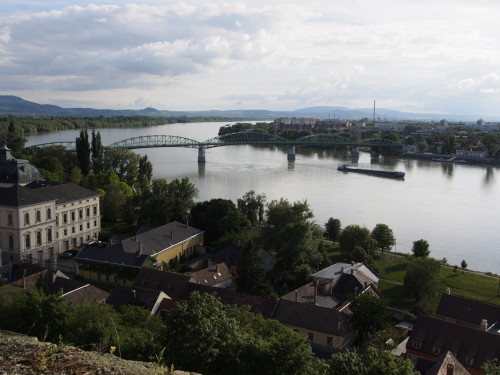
[(454, 207)]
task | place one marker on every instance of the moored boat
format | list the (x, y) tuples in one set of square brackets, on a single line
[(373, 172)]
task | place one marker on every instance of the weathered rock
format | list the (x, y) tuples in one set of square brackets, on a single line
[(24, 355)]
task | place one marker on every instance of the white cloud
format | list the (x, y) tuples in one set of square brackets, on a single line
[(270, 54)]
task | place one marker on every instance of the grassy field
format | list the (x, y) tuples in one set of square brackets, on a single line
[(392, 269)]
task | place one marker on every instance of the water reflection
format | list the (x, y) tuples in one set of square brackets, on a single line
[(448, 169), (201, 170), (489, 176)]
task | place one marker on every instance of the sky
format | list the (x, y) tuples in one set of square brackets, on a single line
[(425, 56)]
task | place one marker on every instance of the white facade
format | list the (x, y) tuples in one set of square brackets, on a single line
[(37, 232)]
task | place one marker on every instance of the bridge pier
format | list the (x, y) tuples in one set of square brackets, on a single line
[(291, 153), (201, 154), (355, 151)]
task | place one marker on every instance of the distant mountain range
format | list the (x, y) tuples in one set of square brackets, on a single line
[(13, 105)]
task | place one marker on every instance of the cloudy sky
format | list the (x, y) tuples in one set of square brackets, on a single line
[(438, 56)]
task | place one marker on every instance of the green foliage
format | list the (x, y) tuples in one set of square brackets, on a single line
[(251, 274), (332, 228), (227, 340), (492, 367), (252, 206), (263, 127), (288, 233), (384, 237), (83, 151), (373, 362), (420, 248), (463, 265), (422, 146), (421, 280), (356, 244), (369, 313)]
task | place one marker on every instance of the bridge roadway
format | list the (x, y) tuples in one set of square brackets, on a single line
[(243, 138)]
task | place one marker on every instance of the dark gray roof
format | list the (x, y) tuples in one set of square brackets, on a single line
[(131, 295), (42, 191), (18, 171), (311, 317), (171, 283), (110, 255), (468, 310), (158, 239)]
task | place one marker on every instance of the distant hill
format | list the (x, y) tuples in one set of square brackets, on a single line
[(13, 105)]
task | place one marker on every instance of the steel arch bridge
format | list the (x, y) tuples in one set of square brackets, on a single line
[(241, 138)]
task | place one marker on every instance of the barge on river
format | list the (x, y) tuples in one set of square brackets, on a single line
[(373, 172)]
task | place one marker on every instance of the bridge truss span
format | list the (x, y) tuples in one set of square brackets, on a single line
[(69, 145), (151, 141), (246, 138), (323, 139)]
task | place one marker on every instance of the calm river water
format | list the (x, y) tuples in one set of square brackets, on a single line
[(454, 207)]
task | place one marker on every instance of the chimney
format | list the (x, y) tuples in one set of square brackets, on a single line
[(217, 267), (449, 369), (352, 270), (139, 251), (484, 325), (448, 291), (134, 295)]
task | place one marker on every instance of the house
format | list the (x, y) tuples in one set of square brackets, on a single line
[(128, 295), (447, 365), (168, 244), (472, 347), (468, 312), (324, 315), (218, 275), (171, 283), (327, 330), (110, 265), (40, 219)]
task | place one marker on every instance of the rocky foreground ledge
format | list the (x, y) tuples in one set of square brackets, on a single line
[(24, 355)]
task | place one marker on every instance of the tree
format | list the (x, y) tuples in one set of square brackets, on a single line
[(332, 228), (252, 206), (421, 280), (422, 146), (463, 265), (369, 313), (492, 367), (383, 236), (355, 235), (83, 151), (97, 152), (373, 362), (420, 248), (251, 274), (125, 163)]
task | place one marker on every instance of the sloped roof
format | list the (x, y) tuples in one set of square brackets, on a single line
[(85, 293), (312, 317), (467, 309), (113, 255), (447, 360), (463, 341), (42, 191), (131, 295), (337, 269), (213, 275), (171, 283), (161, 238)]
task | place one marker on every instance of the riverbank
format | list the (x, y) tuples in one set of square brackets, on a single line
[(468, 160)]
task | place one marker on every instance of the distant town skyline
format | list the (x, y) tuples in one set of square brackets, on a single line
[(415, 56)]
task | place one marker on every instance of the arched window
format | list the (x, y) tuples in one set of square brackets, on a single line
[(49, 235), (38, 216), (39, 237), (9, 220), (11, 242), (27, 240), (26, 218)]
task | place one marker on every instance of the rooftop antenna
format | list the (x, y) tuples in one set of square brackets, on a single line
[(374, 111)]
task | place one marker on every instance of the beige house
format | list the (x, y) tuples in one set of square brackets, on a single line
[(40, 219)]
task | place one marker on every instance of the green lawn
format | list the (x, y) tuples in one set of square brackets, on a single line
[(391, 271)]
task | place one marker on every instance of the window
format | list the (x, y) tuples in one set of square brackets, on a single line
[(80, 214), (11, 242), (26, 218), (65, 232), (88, 211), (416, 344), (72, 229), (329, 341), (49, 235), (310, 337), (95, 223), (65, 218), (88, 225), (27, 241), (57, 220), (95, 210), (9, 219), (39, 238), (436, 350), (38, 216), (81, 227), (49, 214), (72, 215)]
